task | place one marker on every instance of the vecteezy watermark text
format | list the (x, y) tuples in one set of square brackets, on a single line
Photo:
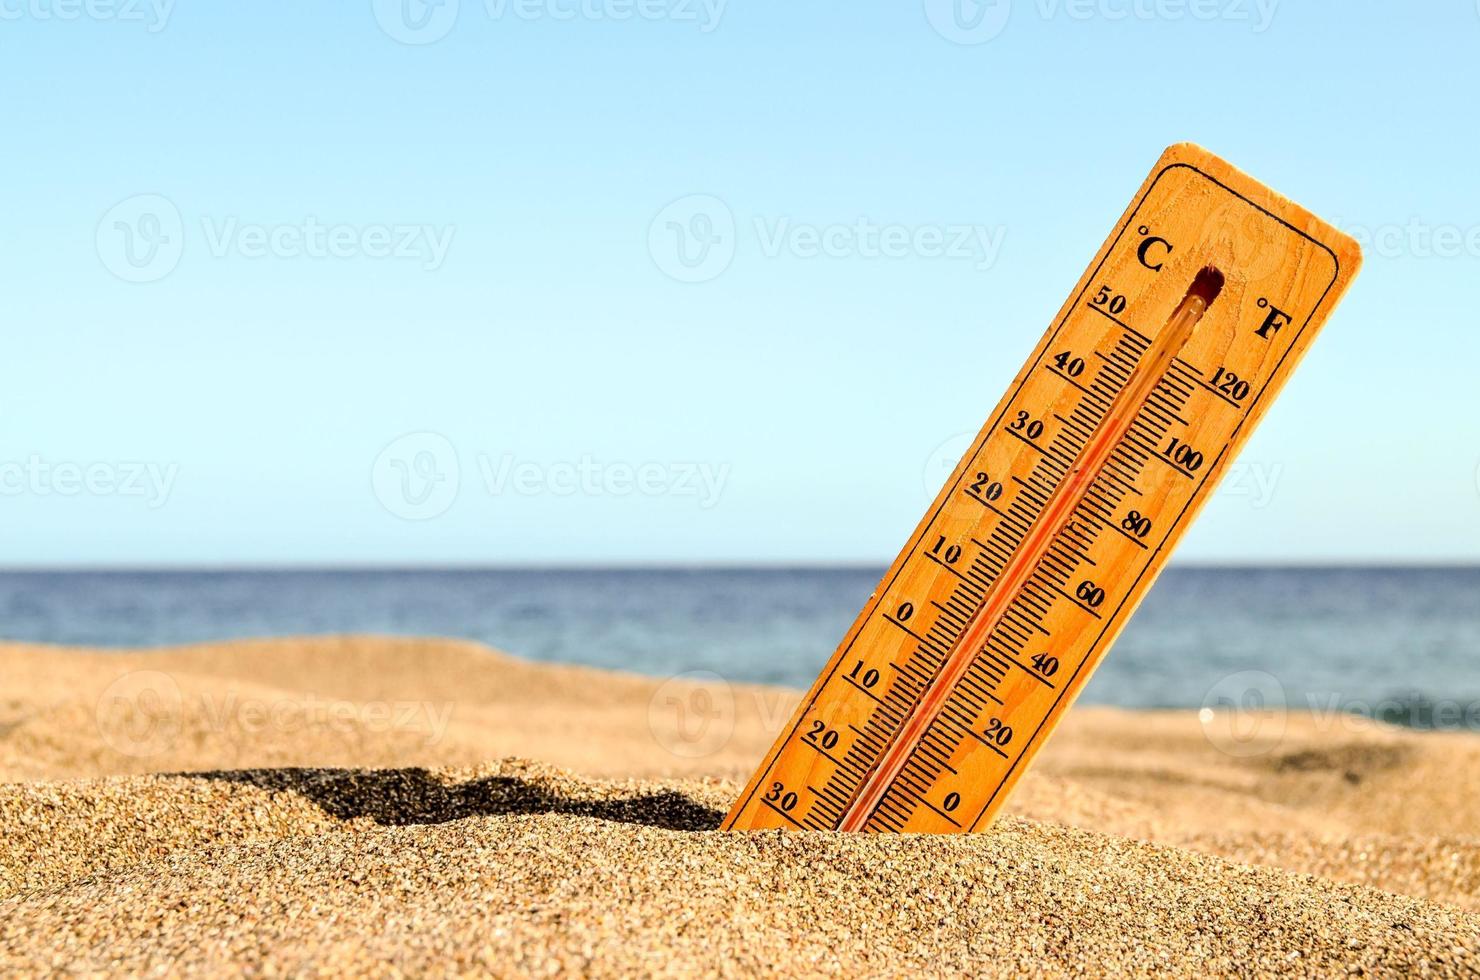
[(1251, 480), (154, 15), (866, 239), (970, 22), (696, 237), (592, 477), (1415, 238), (39, 477), (418, 476), (144, 713), (310, 238), (142, 239), (705, 14), (418, 22), (1246, 713)]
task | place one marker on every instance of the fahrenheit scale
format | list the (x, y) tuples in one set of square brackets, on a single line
[(1063, 511)]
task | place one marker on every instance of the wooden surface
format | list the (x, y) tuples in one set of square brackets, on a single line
[(1058, 519)]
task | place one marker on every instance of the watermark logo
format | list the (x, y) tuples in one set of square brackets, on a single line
[(141, 238), (692, 715), (143, 714), (693, 238), (416, 22), (153, 14), (38, 477), (1244, 714), (140, 713), (416, 477), (968, 21), (942, 461)]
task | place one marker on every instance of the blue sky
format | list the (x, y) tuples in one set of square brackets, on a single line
[(372, 283)]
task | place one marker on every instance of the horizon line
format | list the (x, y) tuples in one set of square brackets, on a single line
[(662, 565)]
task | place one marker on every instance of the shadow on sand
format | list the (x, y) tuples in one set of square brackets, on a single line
[(402, 797)]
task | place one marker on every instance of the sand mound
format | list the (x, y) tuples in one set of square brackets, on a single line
[(518, 867), (61, 832), (154, 819), (359, 701)]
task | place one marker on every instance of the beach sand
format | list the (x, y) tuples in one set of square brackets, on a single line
[(359, 804)]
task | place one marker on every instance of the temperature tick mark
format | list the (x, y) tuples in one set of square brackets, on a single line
[(1061, 374), (1076, 602), (863, 690), (1122, 325), (1026, 440), (905, 628), (1020, 666), (1112, 525), (974, 734), (786, 816), (951, 820), (947, 567), (1207, 387), (824, 753)]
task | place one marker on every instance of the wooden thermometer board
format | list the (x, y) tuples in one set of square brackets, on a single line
[(1058, 518)]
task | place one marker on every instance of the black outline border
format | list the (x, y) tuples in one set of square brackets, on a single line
[(884, 586)]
